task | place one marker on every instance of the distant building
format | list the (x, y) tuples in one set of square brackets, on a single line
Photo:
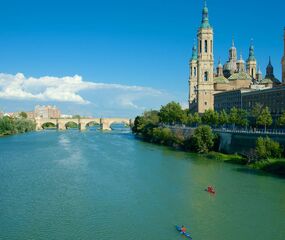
[(273, 98), (46, 112), (1, 114), (30, 115)]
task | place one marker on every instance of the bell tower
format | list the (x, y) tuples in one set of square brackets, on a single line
[(283, 62), (205, 64), (193, 77), (251, 62)]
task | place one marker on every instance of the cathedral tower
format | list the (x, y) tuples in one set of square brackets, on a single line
[(205, 64), (283, 62), (193, 76), (251, 62)]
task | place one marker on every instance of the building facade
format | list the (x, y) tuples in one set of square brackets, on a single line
[(247, 99), (46, 112), (235, 74)]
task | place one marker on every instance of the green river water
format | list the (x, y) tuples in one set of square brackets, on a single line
[(91, 185)]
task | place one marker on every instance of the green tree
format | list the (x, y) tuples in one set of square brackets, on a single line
[(23, 115), (196, 119), (202, 140), (242, 117), (172, 113), (223, 118), (267, 148), (76, 116), (281, 120), (256, 111), (210, 117), (144, 125), (265, 118), (10, 126), (238, 117), (233, 116)]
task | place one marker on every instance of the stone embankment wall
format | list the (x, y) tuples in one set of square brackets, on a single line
[(234, 142), (244, 142)]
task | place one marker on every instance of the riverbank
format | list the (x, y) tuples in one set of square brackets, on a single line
[(272, 166), (11, 126), (177, 142)]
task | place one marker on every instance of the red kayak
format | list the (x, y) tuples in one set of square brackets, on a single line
[(210, 190)]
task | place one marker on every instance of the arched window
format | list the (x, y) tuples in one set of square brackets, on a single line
[(206, 76), (200, 46), (206, 46), (252, 72), (195, 71)]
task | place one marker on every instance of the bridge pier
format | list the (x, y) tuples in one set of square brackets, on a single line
[(82, 127)]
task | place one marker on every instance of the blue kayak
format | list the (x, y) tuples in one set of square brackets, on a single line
[(178, 228)]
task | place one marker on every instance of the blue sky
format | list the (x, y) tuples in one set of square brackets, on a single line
[(129, 55)]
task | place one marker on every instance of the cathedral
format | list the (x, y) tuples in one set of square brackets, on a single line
[(235, 74)]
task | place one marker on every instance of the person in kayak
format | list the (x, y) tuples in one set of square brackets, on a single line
[(183, 229), (210, 189)]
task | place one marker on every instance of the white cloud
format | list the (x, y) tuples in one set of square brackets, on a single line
[(103, 97), (67, 89)]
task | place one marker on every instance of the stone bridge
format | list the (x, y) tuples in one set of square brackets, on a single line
[(60, 123)]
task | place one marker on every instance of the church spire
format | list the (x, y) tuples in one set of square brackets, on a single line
[(205, 17), (251, 56)]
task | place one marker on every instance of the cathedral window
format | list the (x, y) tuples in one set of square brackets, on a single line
[(206, 46), (200, 46), (195, 71), (206, 76)]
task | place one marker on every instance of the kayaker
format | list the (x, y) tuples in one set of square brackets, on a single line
[(183, 229), (210, 189)]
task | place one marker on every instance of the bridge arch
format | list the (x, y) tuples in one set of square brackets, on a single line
[(49, 125), (92, 123), (71, 124), (106, 123)]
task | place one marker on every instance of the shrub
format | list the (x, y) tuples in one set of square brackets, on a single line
[(202, 140), (267, 148)]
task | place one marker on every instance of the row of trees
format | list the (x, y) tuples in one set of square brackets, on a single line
[(172, 113), (149, 127), (9, 125)]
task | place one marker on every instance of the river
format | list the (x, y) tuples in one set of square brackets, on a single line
[(91, 185)]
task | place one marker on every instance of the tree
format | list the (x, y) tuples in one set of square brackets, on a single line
[(23, 115), (196, 119), (242, 117), (202, 140), (267, 148), (233, 117), (189, 119), (265, 118), (281, 120), (256, 111), (210, 117), (223, 118), (238, 117), (172, 113), (144, 125), (76, 116)]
